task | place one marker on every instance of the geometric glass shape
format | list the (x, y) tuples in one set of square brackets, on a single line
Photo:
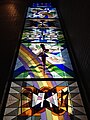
[(45, 100), (42, 35), (30, 63), (41, 13), (42, 23)]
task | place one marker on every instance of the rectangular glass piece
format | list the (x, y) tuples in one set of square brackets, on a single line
[(42, 23), (44, 100), (42, 35), (42, 5), (43, 60), (41, 13)]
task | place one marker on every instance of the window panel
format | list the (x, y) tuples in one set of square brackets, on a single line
[(42, 35), (44, 100), (42, 23), (41, 13), (56, 63), (45, 5), (43, 54)]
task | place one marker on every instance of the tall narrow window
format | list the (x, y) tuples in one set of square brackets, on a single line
[(43, 85)]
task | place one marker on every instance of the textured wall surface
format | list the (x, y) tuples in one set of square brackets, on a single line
[(11, 23), (77, 22), (76, 18)]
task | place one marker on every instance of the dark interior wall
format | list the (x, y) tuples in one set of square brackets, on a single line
[(76, 19), (12, 14)]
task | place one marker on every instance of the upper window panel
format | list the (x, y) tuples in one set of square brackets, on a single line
[(42, 5), (42, 23), (41, 13), (43, 51)]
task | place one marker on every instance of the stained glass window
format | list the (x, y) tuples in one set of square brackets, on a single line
[(43, 54)]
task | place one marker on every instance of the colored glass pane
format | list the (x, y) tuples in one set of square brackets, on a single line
[(42, 23), (42, 35), (42, 5), (30, 60), (44, 100), (41, 13)]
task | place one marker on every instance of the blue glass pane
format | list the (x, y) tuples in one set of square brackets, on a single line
[(41, 13), (42, 5)]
